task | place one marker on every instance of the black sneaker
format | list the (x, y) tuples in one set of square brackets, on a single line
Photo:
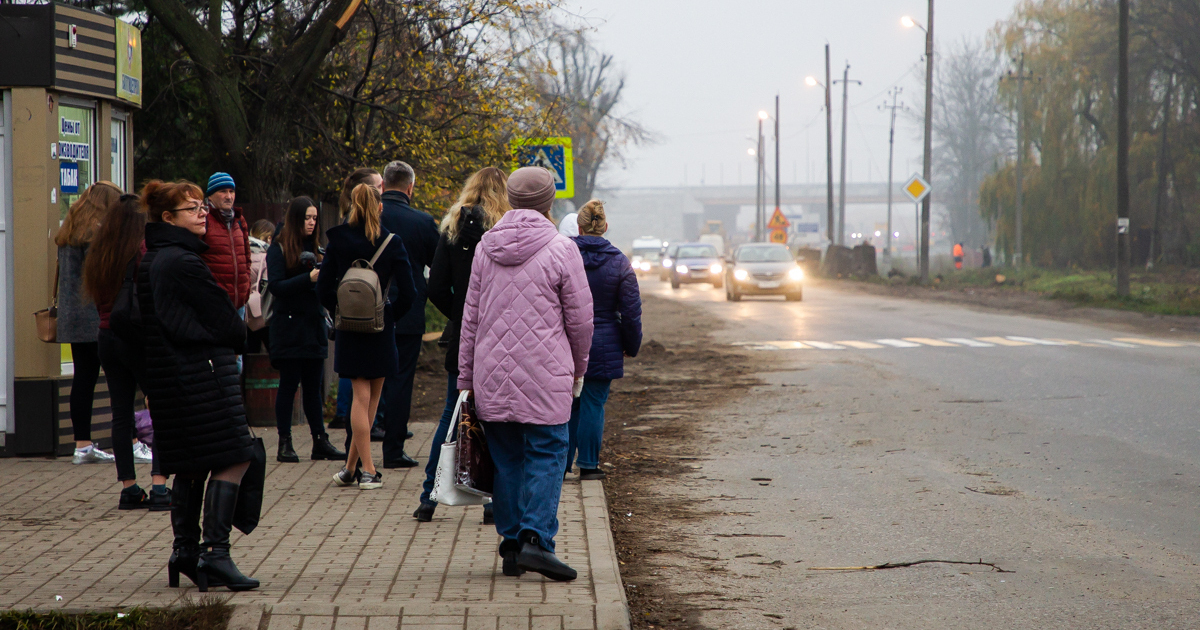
[(367, 481), (159, 501), (489, 516), (534, 558), (343, 478), (589, 474), (133, 498), (424, 514), (404, 461)]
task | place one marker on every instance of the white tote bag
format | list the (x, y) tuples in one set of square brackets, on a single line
[(444, 490)]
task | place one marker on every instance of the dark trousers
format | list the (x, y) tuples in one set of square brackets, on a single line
[(86, 359), (123, 371), (398, 397), (439, 437), (306, 374)]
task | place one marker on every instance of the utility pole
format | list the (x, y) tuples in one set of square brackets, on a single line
[(829, 147), (841, 219), (1122, 152), (895, 94), (759, 184), (1020, 77), (776, 151), (925, 203)]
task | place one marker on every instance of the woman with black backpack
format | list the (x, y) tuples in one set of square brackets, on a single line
[(363, 353), (299, 340), (111, 263)]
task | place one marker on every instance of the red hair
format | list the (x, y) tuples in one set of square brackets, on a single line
[(159, 197)]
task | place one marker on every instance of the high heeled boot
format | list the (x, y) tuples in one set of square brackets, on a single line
[(215, 565), (187, 499)]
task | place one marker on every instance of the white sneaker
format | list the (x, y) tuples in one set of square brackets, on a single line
[(91, 455), (142, 453)]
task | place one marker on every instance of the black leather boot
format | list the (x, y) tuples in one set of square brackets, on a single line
[(534, 557), (286, 453), (215, 565), (508, 552), (322, 449), (187, 498)]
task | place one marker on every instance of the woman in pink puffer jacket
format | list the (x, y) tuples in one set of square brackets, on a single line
[(526, 332)]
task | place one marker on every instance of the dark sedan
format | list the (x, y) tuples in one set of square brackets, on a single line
[(763, 269), (696, 262)]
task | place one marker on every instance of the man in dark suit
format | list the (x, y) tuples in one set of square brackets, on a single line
[(419, 232)]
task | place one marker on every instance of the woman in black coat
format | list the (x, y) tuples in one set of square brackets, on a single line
[(483, 201), (365, 358), (193, 335), (298, 338)]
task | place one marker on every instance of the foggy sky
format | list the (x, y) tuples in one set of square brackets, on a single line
[(698, 72)]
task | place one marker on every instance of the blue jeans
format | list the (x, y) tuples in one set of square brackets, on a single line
[(587, 423), (439, 436), (529, 461)]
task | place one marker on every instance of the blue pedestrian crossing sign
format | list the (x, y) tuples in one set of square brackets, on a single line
[(553, 154)]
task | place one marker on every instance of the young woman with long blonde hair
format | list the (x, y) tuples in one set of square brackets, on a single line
[(482, 203), (365, 358), (78, 319)]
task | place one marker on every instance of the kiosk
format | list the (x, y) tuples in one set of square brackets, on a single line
[(69, 82)]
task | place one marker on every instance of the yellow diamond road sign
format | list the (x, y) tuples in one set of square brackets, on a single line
[(916, 188)]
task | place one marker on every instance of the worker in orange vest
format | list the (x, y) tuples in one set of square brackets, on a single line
[(958, 255)]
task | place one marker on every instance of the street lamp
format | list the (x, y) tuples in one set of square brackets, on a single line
[(812, 82), (846, 81), (763, 116), (923, 253)]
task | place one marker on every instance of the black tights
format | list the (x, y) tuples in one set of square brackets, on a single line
[(306, 374), (232, 474), (86, 359)]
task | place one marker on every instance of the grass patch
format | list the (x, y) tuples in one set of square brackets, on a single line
[(1168, 292), (210, 613)]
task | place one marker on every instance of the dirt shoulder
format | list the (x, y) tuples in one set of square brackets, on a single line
[(1030, 303), (652, 438)]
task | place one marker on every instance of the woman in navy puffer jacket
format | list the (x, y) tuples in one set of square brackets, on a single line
[(617, 334)]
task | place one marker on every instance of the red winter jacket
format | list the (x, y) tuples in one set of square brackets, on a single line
[(228, 255)]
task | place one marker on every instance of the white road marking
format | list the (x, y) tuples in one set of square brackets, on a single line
[(970, 343), (938, 343), (1001, 341), (896, 343), (1115, 344), (1038, 342), (821, 345), (861, 345), (1149, 342)]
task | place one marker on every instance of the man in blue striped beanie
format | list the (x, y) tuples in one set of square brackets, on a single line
[(228, 238)]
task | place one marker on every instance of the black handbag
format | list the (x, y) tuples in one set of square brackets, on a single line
[(250, 492), (474, 471)]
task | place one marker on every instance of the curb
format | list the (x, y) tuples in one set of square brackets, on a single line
[(612, 609)]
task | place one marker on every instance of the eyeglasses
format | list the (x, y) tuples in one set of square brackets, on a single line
[(197, 209)]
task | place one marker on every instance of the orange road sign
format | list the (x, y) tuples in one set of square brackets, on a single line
[(778, 221), (779, 235)]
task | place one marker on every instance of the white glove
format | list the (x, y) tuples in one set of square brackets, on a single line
[(578, 388)]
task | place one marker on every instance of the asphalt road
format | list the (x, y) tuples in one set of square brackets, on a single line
[(895, 430)]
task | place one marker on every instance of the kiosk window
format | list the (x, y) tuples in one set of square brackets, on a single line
[(76, 154)]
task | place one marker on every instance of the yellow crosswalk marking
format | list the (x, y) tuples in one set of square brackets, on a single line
[(1149, 342), (1069, 342), (1001, 341), (931, 342), (861, 345)]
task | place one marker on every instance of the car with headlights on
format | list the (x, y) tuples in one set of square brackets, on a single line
[(763, 269), (696, 263)]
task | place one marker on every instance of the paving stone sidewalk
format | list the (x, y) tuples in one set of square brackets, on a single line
[(327, 557)]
